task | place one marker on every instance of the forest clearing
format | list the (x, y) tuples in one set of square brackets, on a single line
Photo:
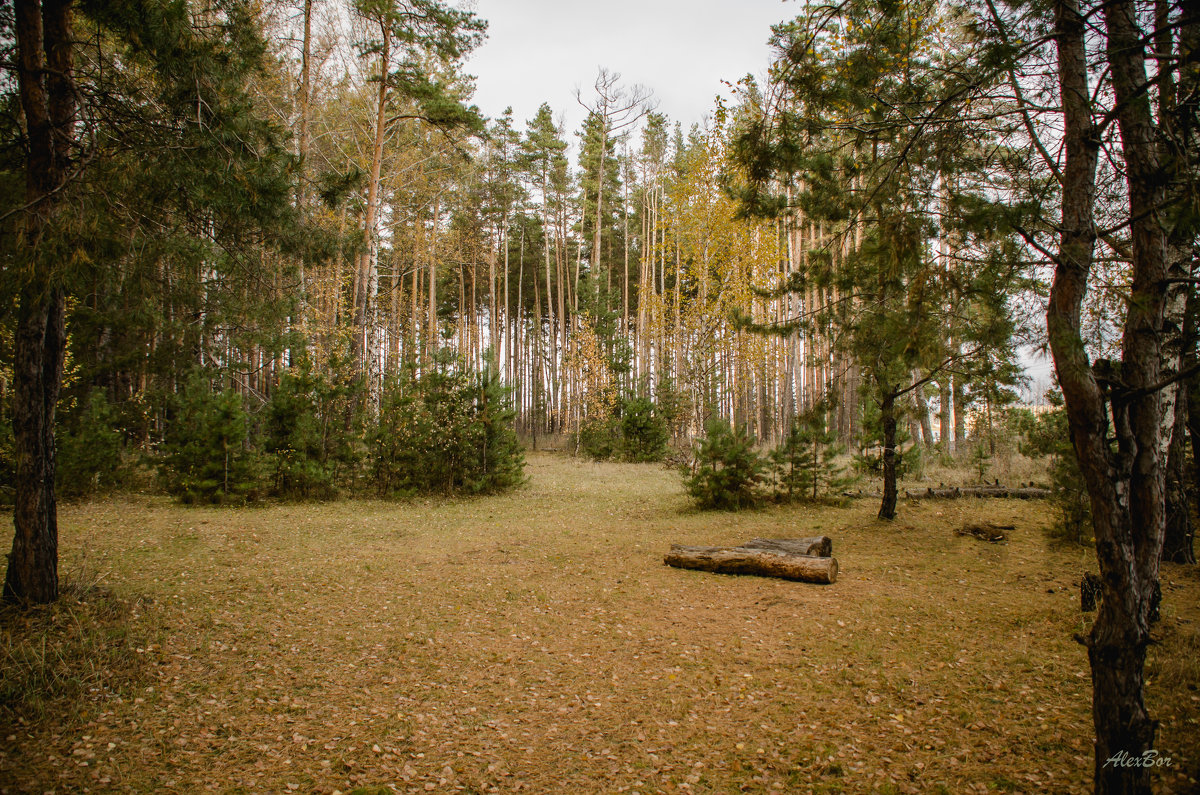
[(288, 294), (534, 641)]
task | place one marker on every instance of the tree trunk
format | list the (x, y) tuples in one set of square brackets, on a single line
[(923, 417), (366, 280), (1178, 533), (960, 413), (432, 340), (1177, 122), (1126, 485), (764, 563), (887, 416), (47, 93), (37, 371)]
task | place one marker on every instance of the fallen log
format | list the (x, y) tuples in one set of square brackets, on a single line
[(1024, 493), (762, 562), (821, 546), (987, 531)]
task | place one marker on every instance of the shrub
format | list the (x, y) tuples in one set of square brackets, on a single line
[(206, 455), (501, 458), (728, 469), (673, 406), (638, 433), (599, 438)]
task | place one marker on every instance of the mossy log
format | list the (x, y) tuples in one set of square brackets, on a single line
[(821, 546), (761, 562)]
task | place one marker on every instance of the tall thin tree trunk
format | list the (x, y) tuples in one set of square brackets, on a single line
[(302, 137), (367, 277), (432, 338), (887, 417)]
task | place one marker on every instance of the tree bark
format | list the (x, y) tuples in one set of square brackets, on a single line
[(945, 436), (887, 416), (764, 563), (366, 280), (1178, 125), (820, 546), (47, 94), (1178, 533), (1125, 485)]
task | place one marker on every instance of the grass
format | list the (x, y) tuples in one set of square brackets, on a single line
[(534, 642)]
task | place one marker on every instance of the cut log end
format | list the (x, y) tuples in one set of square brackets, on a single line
[(761, 562)]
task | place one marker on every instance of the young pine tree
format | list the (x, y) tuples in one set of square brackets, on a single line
[(501, 460), (89, 454), (292, 439), (804, 462), (206, 455), (728, 469)]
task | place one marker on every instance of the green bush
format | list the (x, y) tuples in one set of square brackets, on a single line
[(447, 431), (90, 450), (206, 455), (312, 431), (501, 461), (728, 470)]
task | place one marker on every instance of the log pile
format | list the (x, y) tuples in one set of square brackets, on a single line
[(798, 559)]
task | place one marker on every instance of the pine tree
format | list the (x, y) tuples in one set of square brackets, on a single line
[(804, 463), (207, 457), (644, 431), (728, 470), (292, 439), (843, 148), (501, 460), (90, 453), (146, 167)]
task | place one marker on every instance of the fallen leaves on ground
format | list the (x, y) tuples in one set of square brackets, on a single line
[(534, 642)]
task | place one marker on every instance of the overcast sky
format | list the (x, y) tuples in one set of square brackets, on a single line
[(542, 50)]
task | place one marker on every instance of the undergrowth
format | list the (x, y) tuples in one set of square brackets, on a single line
[(55, 657)]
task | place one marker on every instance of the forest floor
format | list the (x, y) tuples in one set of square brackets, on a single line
[(535, 642)]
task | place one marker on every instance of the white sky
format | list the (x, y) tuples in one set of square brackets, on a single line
[(541, 51)]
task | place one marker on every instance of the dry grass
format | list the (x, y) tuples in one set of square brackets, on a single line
[(535, 642)]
